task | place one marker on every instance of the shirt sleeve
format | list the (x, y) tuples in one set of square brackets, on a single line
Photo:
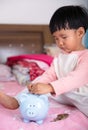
[(74, 79)]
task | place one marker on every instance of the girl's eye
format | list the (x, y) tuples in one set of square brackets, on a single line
[(64, 37), (55, 39)]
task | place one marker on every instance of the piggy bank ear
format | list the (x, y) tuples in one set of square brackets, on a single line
[(22, 97), (44, 97)]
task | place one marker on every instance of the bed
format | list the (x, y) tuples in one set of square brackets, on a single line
[(23, 45)]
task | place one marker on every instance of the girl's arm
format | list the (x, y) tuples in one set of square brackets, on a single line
[(75, 79)]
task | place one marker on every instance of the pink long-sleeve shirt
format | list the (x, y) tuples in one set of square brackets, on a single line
[(68, 72)]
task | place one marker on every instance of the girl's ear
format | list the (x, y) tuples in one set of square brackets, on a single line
[(81, 32)]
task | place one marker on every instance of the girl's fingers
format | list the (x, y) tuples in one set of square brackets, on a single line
[(30, 86)]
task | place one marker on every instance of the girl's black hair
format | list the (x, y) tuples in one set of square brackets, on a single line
[(69, 17)]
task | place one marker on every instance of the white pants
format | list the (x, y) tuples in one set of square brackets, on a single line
[(75, 99)]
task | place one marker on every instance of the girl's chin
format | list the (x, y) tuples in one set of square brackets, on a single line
[(66, 51)]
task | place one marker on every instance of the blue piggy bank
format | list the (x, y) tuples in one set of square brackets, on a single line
[(34, 107)]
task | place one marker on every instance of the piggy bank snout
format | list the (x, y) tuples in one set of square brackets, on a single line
[(32, 111)]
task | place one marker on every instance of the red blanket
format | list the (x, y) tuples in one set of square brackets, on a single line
[(41, 57)]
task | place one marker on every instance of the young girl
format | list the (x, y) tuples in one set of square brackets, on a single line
[(67, 77)]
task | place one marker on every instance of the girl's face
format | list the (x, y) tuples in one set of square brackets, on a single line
[(69, 39)]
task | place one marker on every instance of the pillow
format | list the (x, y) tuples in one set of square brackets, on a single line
[(5, 73), (40, 61), (52, 50), (41, 64), (41, 57)]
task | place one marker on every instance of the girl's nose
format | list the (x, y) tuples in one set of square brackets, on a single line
[(60, 43)]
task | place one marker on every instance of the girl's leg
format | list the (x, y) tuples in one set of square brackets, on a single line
[(62, 99), (78, 100), (8, 101)]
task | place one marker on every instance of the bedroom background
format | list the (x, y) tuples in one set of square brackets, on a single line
[(24, 24)]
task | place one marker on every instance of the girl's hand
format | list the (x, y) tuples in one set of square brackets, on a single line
[(40, 88)]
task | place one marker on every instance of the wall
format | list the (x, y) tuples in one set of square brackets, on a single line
[(32, 11)]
